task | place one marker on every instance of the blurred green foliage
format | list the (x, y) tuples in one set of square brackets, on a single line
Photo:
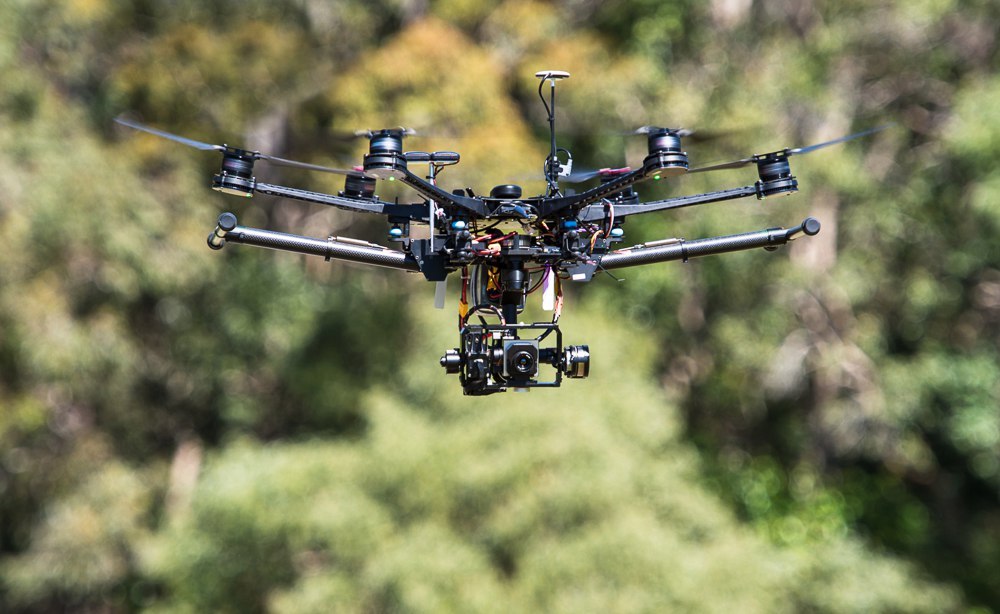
[(183, 430)]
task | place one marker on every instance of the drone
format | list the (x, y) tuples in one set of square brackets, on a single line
[(506, 246)]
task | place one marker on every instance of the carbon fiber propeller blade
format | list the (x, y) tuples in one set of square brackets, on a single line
[(256, 154), (790, 152), (168, 135)]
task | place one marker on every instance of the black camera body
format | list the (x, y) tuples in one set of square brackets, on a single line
[(520, 359), (494, 358)]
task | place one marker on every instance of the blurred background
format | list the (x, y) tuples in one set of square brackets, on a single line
[(184, 430)]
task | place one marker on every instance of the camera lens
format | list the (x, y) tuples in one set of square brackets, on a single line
[(520, 358), (523, 362)]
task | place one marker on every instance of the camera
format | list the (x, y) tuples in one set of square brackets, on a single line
[(520, 358), (493, 358)]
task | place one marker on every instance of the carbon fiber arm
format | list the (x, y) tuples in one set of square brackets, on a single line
[(681, 249), (228, 231)]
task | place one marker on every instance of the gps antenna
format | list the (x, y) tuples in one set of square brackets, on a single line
[(552, 163)]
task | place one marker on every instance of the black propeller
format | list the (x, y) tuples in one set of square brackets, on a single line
[(682, 132), (254, 155), (695, 136), (786, 152), (647, 130)]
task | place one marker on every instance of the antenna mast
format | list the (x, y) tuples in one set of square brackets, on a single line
[(552, 165)]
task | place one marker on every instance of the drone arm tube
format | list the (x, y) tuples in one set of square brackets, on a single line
[(228, 231), (596, 212), (683, 250)]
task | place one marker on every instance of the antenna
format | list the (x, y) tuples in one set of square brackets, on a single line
[(552, 163)]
